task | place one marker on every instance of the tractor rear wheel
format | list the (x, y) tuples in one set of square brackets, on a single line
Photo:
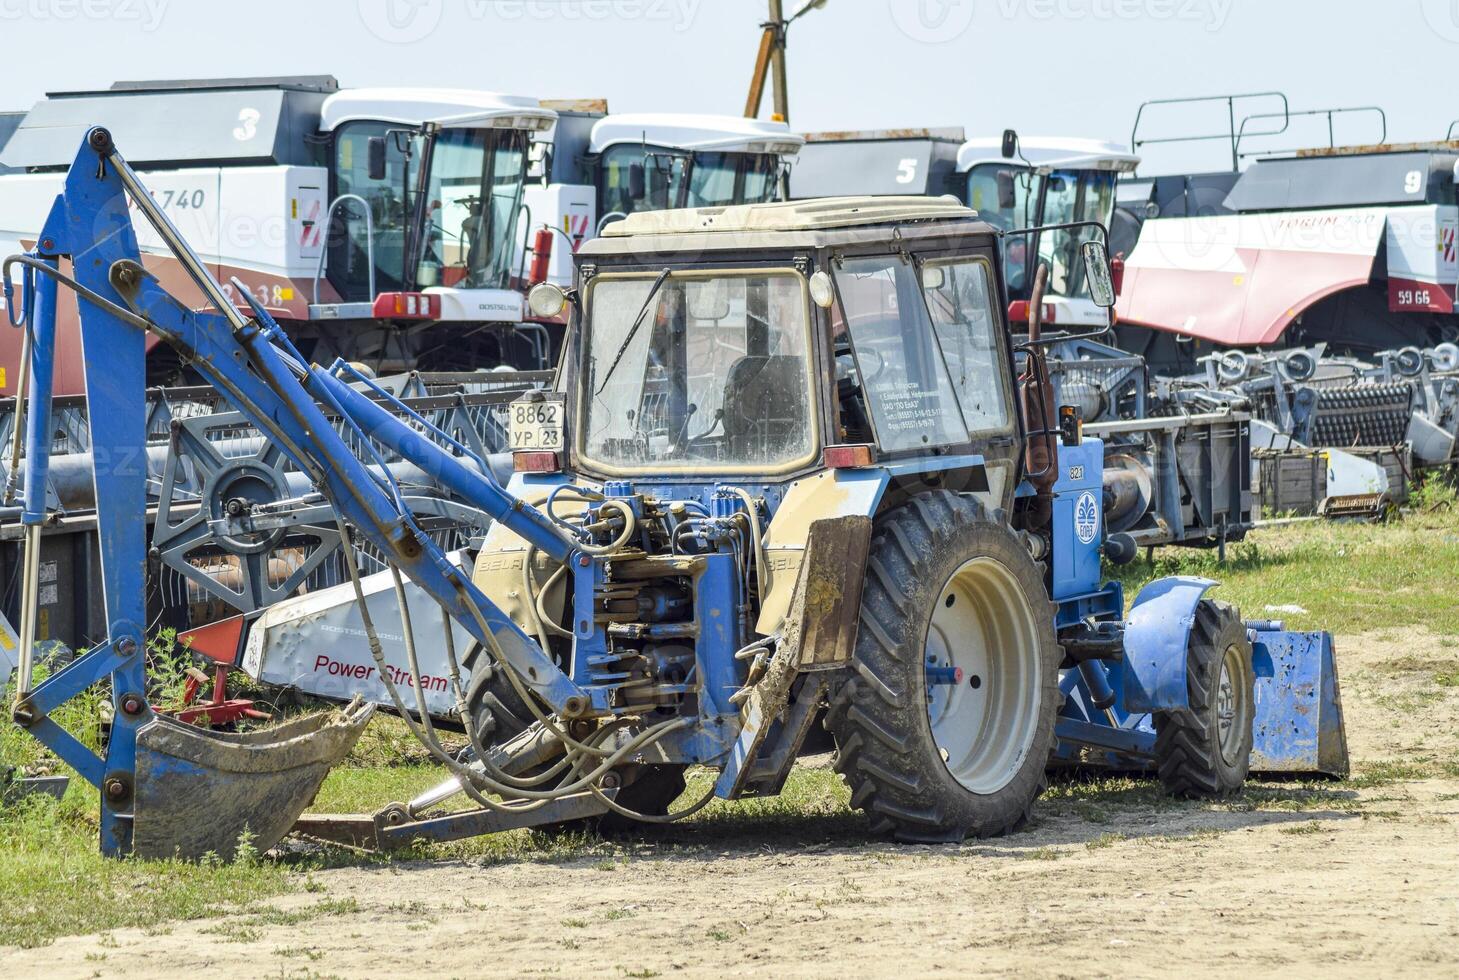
[(1204, 751), (945, 720)]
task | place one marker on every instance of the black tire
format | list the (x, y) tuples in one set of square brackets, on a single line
[(497, 711), (1194, 758), (878, 713)]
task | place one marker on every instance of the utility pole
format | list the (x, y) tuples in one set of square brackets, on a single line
[(778, 25), (770, 61)]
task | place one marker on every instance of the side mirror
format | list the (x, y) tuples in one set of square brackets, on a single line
[(1010, 144), (1096, 270), (375, 157), (637, 185), (934, 277), (1007, 191)]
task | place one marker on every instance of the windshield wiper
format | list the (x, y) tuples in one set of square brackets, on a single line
[(637, 322)]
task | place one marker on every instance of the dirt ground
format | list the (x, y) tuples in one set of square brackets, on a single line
[(1363, 881)]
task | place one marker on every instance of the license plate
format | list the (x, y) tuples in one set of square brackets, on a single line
[(536, 425)]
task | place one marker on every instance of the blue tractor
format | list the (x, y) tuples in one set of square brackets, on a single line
[(793, 469)]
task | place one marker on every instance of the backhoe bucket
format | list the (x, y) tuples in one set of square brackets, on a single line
[(198, 791), (1298, 728)]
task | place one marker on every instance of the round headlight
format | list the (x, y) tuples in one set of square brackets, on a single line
[(823, 294), (546, 300)]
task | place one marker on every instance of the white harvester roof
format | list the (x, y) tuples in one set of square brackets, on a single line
[(694, 131), (815, 214), (453, 107), (1052, 153)]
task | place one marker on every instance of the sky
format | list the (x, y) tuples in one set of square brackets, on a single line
[(1043, 67)]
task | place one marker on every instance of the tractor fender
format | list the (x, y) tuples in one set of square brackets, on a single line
[(1157, 634)]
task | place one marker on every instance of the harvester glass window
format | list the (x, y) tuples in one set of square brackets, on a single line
[(663, 178), (1073, 196), (959, 299), (985, 197), (718, 179), (475, 192), (715, 376), (899, 361), (389, 200)]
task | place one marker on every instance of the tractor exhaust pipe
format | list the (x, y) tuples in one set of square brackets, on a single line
[(1041, 453)]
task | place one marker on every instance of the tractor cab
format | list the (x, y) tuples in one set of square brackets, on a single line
[(789, 340)]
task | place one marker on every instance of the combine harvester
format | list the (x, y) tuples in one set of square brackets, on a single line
[(1287, 275), (1352, 247), (1175, 472), (396, 228), (710, 540)]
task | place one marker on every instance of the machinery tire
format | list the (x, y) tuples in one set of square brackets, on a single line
[(497, 711), (1204, 751), (925, 554)]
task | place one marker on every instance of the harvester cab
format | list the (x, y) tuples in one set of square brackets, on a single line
[(397, 227), (605, 166), (789, 473), (375, 224), (1014, 183)]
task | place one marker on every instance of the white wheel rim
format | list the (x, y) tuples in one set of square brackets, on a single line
[(984, 630), (1228, 706)]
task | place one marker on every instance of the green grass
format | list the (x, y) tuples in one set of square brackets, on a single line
[(1350, 578), (54, 882)]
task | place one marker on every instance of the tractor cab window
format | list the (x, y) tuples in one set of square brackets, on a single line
[(899, 363), (1084, 195), (702, 372), (959, 299)]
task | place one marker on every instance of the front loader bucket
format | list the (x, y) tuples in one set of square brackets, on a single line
[(1298, 728), (198, 791)]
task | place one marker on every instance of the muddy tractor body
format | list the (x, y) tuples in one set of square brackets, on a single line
[(793, 470)]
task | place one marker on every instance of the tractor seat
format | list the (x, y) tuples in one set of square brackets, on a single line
[(764, 407)]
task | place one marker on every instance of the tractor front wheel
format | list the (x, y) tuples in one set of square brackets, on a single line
[(1204, 751), (946, 718)]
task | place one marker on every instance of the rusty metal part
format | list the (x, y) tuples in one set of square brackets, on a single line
[(1371, 507), (392, 827), (819, 634), (1036, 392)]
